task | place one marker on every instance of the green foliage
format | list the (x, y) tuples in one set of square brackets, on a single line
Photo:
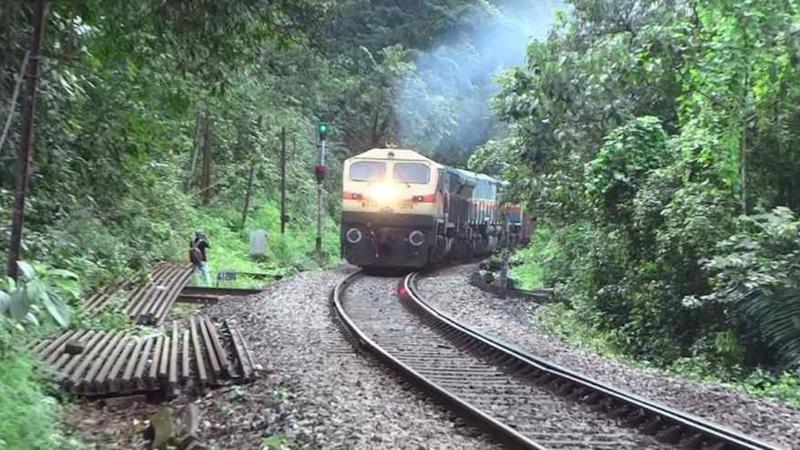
[(27, 415), (628, 155), (123, 96), (743, 85), (285, 254), (785, 387), (278, 442), (529, 266), (639, 132), (564, 324), (110, 318), (756, 273), (41, 292)]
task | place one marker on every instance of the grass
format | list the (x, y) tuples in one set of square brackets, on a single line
[(278, 441), (27, 415), (29, 418), (564, 324), (527, 264), (530, 270), (286, 254)]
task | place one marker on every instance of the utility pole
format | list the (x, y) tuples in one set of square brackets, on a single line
[(284, 217), (26, 139), (319, 171)]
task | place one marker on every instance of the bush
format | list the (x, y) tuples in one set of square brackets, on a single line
[(756, 276), (41, 295), (531, 266), (628, 155), (286, 253), (627, 267), (27, 415)]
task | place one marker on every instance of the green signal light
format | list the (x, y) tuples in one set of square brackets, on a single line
[(323, 129)]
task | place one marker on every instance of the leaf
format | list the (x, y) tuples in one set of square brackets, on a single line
[(62, 273), (11, 284), (27, 270), (31, 318), (58, 310), (35, 291), (68, 285), (19, 305)]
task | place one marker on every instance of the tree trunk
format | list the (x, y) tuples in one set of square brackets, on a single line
[(375, 137), (198, 146), (743, 166), (283, 180), (205, 181), (26, 139), (13, 104), (247, 194)]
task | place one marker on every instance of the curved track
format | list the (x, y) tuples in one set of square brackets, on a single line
[(523, 400)]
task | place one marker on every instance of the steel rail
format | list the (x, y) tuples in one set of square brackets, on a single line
[(674, 424), (667, 424), (218, 291), (501, 431)]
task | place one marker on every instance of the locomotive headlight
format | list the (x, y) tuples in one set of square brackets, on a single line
[(384, 192)]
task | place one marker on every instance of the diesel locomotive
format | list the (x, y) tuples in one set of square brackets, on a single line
[(402, 209)]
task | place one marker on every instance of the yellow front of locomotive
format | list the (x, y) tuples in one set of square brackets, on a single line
[(390, 206)]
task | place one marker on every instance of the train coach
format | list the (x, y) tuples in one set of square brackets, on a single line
[(402, 209)]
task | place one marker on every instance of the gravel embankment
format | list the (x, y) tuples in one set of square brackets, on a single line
[(318, 392), (321, 393), (509, 320)]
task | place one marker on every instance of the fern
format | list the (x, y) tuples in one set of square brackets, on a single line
[(778, 319), (757, 272)]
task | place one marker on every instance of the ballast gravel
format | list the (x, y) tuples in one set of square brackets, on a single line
[(529, 409), (510, 320), (318, 391)]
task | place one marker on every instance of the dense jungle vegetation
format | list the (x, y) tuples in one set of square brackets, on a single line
[(150, 115), (656, 141)]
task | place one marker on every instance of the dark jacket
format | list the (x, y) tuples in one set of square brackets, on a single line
[(201, 244)]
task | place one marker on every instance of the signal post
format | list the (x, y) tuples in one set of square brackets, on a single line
[(319, 172)]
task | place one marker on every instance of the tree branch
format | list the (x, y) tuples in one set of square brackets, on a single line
[(12, 105)]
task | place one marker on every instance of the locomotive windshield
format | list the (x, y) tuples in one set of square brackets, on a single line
[(367, 171), (416, 173)]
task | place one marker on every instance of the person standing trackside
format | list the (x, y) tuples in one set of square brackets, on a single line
[(198, 256)]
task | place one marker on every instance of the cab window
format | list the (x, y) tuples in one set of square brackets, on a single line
[(415, 173), (367, 171)]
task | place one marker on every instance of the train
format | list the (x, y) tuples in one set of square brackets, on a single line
[(401, 209)]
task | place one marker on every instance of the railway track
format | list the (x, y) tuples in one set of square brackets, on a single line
[(521, 399)]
